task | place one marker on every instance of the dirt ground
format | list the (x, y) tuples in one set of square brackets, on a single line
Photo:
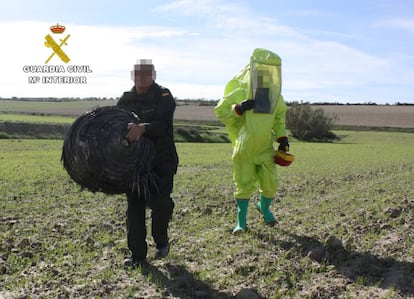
[(349, 115), (371, 115)]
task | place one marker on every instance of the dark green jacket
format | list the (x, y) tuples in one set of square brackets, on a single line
[(155, 109)]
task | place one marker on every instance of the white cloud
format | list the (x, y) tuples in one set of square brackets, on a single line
[(206, 9), (400, 23), (109, 51), (196, 59)]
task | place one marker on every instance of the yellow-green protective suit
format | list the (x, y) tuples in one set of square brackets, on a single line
[(252, 134)]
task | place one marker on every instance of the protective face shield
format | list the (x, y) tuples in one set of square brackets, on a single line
[(144, 73), (265, 80)]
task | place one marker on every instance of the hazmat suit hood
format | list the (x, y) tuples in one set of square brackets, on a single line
[(260, 80), (265, 80)]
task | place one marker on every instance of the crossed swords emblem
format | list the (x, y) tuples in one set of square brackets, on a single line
[(57, 48)]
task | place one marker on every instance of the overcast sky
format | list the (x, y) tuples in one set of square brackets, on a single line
[(332, 50)]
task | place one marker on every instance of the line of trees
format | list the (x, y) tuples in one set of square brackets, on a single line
[(199, 102), (53, 99)]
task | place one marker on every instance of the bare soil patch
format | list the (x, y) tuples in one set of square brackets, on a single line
[(348, 115), (371, 115), (195, 112), (392, 116)]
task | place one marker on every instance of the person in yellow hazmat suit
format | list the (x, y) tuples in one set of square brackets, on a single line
[(253, 111)]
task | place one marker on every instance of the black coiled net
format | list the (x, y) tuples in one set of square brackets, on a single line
[(98, 157)]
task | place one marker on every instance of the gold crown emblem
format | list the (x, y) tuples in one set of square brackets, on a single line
[(57, 29)]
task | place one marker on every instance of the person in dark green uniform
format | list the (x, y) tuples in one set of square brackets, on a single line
[(155, 106)]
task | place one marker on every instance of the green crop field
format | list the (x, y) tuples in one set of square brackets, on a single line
[(345, 211), (55, 108), (37, 119)]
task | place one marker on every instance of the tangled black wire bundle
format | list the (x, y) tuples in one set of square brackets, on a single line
[(98, 157)]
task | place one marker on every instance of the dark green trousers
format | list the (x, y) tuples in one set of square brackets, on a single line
[(161, 205)]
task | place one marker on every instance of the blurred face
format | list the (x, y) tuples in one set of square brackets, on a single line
[(143, 76), (265, 79), (262, 79)]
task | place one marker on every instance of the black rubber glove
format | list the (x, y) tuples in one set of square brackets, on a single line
[(244, 106), (283, 144)]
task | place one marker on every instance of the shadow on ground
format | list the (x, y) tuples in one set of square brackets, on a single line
[(180, 283), (365, 268)]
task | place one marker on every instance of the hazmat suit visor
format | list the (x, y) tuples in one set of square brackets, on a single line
[(265, 86)]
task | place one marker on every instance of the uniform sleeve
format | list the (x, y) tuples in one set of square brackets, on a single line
[(162, 122), (279, 121), (123, 101)]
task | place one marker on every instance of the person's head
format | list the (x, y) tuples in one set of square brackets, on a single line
[(265, 73), (262, 78), (143, 75), (265, 69)]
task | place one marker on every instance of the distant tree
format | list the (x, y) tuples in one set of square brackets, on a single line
[(309, 125)]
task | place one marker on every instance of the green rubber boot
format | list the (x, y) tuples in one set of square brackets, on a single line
[(242, 205), (263, 207)]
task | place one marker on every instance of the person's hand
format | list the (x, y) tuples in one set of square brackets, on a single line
[(244, 106), (283, 144), (135, 131)]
